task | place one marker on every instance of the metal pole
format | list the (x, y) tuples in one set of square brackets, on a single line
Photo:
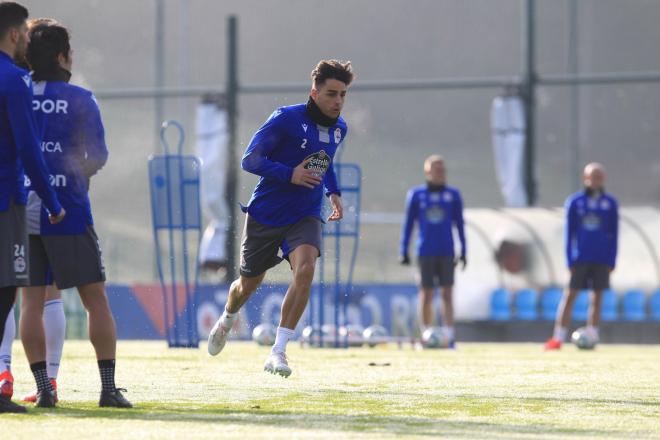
[(529, 90), (159, 66), (232, 117), (574, 112)]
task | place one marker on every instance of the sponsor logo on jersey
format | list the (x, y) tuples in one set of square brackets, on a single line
[(49, 106), (304, 126), (591, 222), (435, 215), (318, 162), (337, 135), (27, 80), (51, 147), (56, 180)]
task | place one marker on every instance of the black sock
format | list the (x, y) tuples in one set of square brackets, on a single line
[(7, 296), (41, 376), (107, 370)]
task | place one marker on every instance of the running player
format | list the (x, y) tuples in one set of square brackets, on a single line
[(293, 153), (592, 229), (437, 208), (19, 150), (67, 254)]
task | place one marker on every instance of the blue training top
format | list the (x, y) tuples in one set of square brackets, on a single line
[(19, 140), (286, 139), (74, 148), (436, 212), (592, 228)]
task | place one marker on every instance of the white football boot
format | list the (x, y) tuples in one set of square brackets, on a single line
[(217, 337), (277, 364)]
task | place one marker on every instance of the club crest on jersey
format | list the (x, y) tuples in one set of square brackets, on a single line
[(337, 135), (319, 162), (604, 205), (447, 196)]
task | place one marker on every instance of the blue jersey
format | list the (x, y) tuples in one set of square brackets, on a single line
[(73, 145), (436, 212), (19, 141), (286, 139), (592, 228)]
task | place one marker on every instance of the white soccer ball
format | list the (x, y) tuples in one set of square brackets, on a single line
[(264, 334), (374, 335), (352, 334), (435, 337), (584, 339), (312, 336)]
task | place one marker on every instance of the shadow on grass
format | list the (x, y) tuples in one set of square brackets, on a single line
[(485, 397), (254, 416)]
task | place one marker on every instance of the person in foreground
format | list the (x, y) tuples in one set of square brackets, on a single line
[(67, 254), (293, 153)]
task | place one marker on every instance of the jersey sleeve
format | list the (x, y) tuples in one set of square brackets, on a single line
[(408, 222), (257, 156), (613, 233), (570, 230), (330, 181), (23, 127), (459, 222), (93, 134)]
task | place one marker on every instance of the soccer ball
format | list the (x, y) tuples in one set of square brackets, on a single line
[(264, 334), (312, 336), (583, 339), (434, 337), (374, 335), (352, 334)]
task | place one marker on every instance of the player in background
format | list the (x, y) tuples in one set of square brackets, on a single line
[(436, 208), (293, 153), (68, 253), (19, 155), (592, 229)]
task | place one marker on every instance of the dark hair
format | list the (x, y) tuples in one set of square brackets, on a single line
[(332, 69), (11, 15), (48, 39)]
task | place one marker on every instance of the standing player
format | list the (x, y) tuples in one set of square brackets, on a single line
[(592, 229), (292, 152), (68, 253), (437, 208), (19, 150)]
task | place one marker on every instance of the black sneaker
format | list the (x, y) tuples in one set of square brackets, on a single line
[(46, 399), (114, 399), (7, 406)]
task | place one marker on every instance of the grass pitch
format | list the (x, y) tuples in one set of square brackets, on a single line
[(478, 391)]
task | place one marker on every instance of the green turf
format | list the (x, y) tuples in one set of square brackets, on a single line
[(478, 391)]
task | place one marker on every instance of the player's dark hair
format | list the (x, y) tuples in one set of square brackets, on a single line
[(11, 15), (332, 69), (48, 39)]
